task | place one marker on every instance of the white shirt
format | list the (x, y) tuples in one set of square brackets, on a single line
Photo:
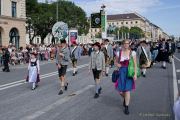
[(123, 57)]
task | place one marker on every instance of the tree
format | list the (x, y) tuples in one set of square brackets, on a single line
[(42, 17), (136, 33), (124, 32), (98, 35)]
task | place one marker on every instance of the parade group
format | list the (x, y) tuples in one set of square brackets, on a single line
[(103, 57)]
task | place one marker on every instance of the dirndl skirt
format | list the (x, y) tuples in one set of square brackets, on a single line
[(124, 83)]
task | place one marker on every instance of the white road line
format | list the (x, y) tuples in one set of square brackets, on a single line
[(10, 86), (175, 85), (178, 81), (26, 65), (176, 58), (20, 82), (56, 104), (178, 70)]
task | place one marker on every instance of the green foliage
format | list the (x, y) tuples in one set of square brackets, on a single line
[(42, 17), (136, 33)]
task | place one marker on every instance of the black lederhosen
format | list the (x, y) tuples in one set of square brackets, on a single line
[(96, 73), (62, 70)]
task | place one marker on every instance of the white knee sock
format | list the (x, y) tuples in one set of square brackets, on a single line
[(107, 70), (33, 85), (74, 70), (144, 71), (164, 64)]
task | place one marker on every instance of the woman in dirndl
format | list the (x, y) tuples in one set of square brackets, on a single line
[(125, 84), (33, 71)]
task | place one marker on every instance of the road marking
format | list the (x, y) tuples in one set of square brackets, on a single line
[(178, 70), (176, 58), (56, 104), (175, 85), (20, 82), (178, 81), (26, 65)]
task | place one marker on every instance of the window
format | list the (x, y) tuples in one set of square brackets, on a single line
[(126, 22), (136, 22), (37, 40), (122, 23), (13, 9), (117, 23), (131, 22), (112, 23), (95, 30)]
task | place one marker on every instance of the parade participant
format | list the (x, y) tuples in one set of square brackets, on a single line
[(163, 53), (1, 53), (90, 50), (154, 52), (97, 65), (144, 57), (178, 46), (171, 49), (125, 84), (33, 71), (75, 55), (62, 61), (104, 50), (6, 60), (109, 49)]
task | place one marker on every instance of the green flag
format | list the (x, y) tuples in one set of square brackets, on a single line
[(96, 20)]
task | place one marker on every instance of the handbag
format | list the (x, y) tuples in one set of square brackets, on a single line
[(115, 76), (131, 68)]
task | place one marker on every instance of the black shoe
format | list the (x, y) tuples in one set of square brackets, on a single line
[(96, 95), (33, 88), (37, 85), (126, 110), (99, 91), (60, 92), (74, 74), (144, 75), (66, 87), (106, 74)]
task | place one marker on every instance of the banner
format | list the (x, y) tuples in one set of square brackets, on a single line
[(60, 30), (96, 20), (103, 21), (73, 35)]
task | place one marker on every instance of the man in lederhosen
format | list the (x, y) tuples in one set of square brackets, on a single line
[(110, 55), (6, 60), (62, 61), (75, 55), (144, 57)]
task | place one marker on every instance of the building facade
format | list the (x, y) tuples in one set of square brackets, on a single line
[(12, 22), (151, 31)]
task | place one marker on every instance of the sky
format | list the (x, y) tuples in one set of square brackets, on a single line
[(163, 13)]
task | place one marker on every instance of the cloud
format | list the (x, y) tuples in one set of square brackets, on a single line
[(118, 6)]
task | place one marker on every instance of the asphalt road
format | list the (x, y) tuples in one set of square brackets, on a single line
[(152, 99)]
